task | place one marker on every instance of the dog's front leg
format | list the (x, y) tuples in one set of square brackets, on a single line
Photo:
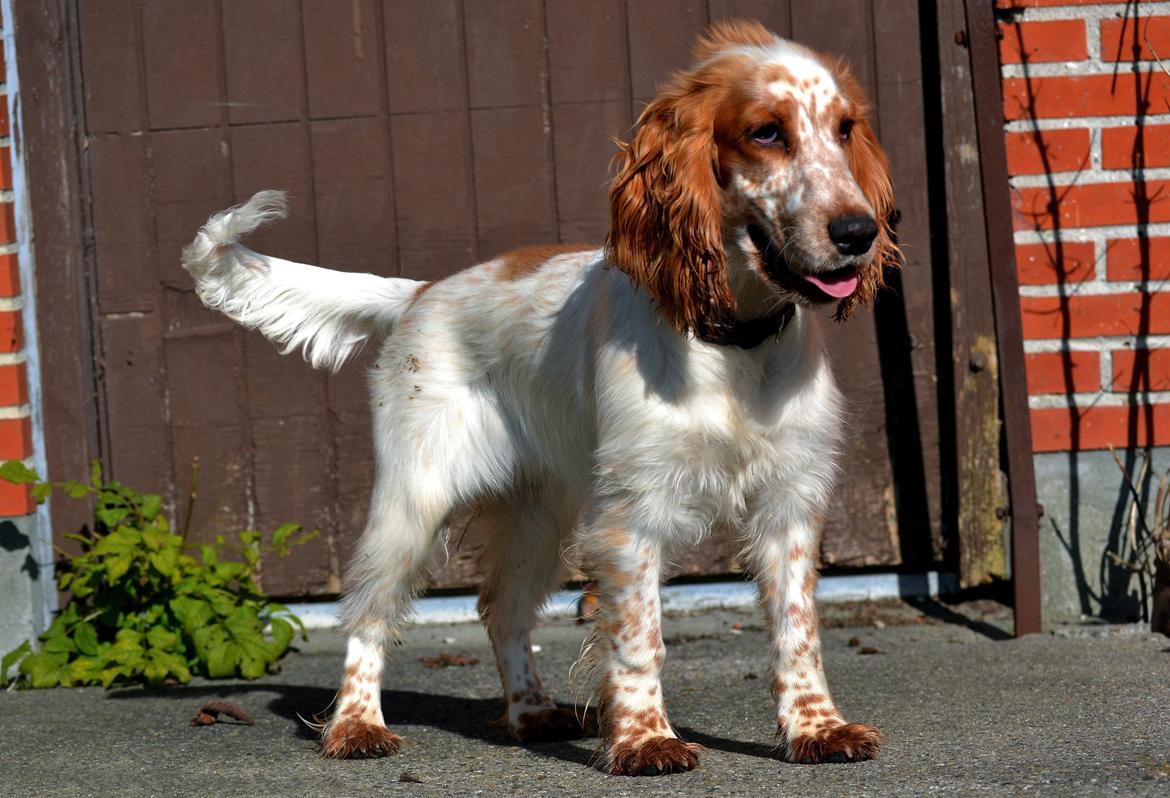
[(810, 727), (637, 737)]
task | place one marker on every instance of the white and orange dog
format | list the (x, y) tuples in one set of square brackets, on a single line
[(621, 401)]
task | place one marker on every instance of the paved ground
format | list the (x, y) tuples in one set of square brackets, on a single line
[(965, 714)]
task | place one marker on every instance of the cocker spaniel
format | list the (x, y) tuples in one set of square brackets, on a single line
[(622, 401)]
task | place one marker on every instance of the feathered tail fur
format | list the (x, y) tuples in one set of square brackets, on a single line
[(327, 314)]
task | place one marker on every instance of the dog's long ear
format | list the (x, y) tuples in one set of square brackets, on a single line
[(666, 220), (871, 170)]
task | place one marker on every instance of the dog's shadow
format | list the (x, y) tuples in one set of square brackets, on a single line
[(471, 718)]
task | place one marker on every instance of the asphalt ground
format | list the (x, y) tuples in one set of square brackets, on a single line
[(965, 712)]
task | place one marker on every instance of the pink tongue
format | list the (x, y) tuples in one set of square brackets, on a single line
[(838, 289)]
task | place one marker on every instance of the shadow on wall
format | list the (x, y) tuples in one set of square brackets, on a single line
[(12, 541), (1103, 587)]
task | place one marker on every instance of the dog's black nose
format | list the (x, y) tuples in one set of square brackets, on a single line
[(853, 234)]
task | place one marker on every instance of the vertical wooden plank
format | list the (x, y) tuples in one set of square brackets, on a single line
[(905, 313), (189, 173), (838, 27), (975, 391), (590, 90), (264, 60), (583, 150), (278, 157), (207, 423), (109, 65), (342, 58), (662, 33), (123, 251), (775, 15), (513, 184), (987, 93), (433, 190), (505, 45), (45, 50), (180, 40), (353, 189), (588, 61), (139, 453), (424, 56), (285, 398)]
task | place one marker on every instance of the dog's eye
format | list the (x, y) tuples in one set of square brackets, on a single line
[(846, 129), (768, 135)]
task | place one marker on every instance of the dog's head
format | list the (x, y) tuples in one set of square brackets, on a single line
[(762, 151)]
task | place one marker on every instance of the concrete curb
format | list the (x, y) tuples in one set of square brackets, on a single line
[(675, 598)]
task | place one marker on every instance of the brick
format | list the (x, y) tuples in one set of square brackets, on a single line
[(1055, 264), (1042, 3), (1036, 42), (1141, 370), (7, 223), (1122, 149), (9, 276), (1131, 313), (1135, 40), (1086, 95), (1099, 427), (1047, 151), (13, 385), (6, 167), (11, 331), (15, 500), (15, 438), (1091, 205), (1063, 372), (4, 126), (1135, 259)]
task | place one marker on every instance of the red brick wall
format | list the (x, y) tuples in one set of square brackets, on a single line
[(15, 420), (1088, 143)]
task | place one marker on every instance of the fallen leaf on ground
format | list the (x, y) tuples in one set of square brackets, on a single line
[(209, 713), (868, 650), (409, 778), (448, 661), (854, 642)]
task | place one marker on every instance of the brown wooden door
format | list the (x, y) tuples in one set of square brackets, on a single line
[(417, 138)]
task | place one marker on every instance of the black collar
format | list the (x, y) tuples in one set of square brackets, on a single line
[(752, 332)]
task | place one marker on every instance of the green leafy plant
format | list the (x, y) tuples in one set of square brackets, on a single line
[(146, 610)]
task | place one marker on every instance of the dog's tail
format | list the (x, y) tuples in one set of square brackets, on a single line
[(329, 315)]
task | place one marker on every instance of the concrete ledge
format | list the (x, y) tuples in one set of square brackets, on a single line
[(675, 598)]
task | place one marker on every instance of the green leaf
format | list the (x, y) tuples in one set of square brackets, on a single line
[(59, 644), (76, 490), (18, 473), (222, 661), (111, 516), (42, 670), (282, 633), (158, 637), (85, 670), (165, 561), (41, 491), (150, 506), (117, 568), (12, 657), (85, 636)]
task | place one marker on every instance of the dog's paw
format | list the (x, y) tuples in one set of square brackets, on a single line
[(552, 724), (356, 739), (849, 742), (653, 756)]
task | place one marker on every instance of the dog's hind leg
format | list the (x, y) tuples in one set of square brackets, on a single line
[(522, 565), (386, 569)]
